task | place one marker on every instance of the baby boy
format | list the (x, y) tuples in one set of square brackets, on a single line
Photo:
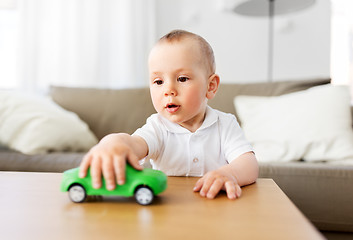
[(185, 137)]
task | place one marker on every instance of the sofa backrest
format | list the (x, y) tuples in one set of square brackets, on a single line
[(106, 110), (111, 110)]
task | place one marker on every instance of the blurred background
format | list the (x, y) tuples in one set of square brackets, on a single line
[(105, 43)]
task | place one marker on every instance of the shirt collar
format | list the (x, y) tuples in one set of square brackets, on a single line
[(210, 119)]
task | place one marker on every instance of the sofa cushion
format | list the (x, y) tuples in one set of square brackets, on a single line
[(35, 125), (314, 124), (226, 93), (106, 110)]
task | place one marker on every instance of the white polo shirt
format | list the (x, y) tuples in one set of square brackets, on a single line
[(178, 152)]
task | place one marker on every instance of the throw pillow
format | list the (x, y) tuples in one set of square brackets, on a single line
[(312, 125), (36, 125)]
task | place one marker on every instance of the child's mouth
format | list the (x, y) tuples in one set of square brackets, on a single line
[(172, 108)]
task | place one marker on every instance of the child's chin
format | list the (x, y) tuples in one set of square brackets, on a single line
[(172, 118)]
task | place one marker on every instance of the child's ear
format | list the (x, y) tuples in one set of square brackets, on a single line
[(212, 86)]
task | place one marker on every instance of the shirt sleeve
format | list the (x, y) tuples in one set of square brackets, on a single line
[(234, 141), (151, 132)]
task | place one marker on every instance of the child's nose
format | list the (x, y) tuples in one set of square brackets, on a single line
[(170, 90)]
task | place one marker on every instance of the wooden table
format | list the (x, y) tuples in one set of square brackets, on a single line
[(32, 207)]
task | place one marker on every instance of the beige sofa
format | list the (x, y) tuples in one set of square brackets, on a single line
[(324, 193)]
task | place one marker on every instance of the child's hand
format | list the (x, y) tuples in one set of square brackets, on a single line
[(221, 179), (109, 158), (240, 172)]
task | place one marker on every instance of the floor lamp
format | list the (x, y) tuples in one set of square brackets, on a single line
[(270, 8)]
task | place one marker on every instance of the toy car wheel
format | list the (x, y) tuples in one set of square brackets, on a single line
[(77, 193), (144, 195)]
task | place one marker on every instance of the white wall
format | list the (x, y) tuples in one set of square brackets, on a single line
[(301, 39)]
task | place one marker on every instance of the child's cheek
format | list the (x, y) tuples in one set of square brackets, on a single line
[(156, 101)]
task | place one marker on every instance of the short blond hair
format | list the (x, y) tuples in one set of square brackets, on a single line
[(205, 47)]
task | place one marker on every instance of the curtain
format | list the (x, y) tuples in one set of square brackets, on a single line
[(85, 43), (342, 43)]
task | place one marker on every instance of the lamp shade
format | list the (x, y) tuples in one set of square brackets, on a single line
[(259, 8)]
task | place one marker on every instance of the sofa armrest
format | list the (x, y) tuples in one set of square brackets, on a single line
[(323, 192)]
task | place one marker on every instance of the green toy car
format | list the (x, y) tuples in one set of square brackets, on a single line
[(144, 185)]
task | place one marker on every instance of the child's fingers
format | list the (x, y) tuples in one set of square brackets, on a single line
[(198, 185), (86, 162), (206, 186), (96, 172), (215, 188), (134, 161), (119, 168), (231, 189), (238, 190), (108, 173)]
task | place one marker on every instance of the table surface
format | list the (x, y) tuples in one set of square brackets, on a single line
[(32, 207)]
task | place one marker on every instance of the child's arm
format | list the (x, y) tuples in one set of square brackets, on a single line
[(242, 171), (109, 157)]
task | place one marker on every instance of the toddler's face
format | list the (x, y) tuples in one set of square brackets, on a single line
[(179, 82)]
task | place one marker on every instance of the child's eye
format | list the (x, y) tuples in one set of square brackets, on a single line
[(158, 82), (182, 79)]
